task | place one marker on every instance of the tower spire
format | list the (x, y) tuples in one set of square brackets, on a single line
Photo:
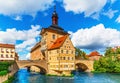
[(54, 17)]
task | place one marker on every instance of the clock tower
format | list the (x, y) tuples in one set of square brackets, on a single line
[(54, 17)]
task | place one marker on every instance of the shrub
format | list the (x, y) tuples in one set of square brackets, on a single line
[(4, 72)]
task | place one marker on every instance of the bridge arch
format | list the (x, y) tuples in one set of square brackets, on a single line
[(81, 67), (84, 65), (42, 70), (42, 65)]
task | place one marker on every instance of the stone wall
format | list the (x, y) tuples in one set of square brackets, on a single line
[(13, 69), (3, 78)]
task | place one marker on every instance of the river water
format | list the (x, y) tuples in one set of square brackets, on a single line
[(23, 76)]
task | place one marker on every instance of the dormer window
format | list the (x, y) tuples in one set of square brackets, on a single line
[(53, 36)]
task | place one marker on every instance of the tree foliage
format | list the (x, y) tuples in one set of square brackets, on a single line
[(108, 63), (80, 54)]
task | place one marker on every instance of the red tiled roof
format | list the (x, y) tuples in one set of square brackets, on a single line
[(58, 43), (7, 45), (94, 53)]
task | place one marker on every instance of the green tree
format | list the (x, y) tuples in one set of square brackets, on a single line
[(80, 54), (109, 52)]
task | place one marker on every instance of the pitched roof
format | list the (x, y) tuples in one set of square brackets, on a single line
[(94, 53), (58, 43), (7, 45)]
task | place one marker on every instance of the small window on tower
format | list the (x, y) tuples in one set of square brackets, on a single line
[(53, 36), (61, 51)]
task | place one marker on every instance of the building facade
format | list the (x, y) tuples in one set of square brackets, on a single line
[(7, 52), (36, 52), (56, 48)]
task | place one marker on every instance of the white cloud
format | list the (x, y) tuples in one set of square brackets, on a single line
[(20, 7), (110, 13), (87, 7), (28, 56), (27, 38), (96, 38), (18, 18), (12, 35), (118, 19), (26, 44)]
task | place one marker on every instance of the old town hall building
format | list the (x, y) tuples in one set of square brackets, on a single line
[(56, 48)]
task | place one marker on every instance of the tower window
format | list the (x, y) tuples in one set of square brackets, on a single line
[(53, 36), (67, 52), (61, 51)]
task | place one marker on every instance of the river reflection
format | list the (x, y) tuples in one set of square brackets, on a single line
[(23, 76)]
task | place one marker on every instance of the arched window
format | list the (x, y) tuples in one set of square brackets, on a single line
[(53, 36)]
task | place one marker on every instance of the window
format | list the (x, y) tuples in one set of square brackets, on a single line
[(6, 56), (68, 58), (63, 58), (57, 51), (2, 56), (61, 51), (11, 56), (72, 52), (72, 65), (65, 46), (12, 50), (2, 50), (7, 51), (72, 58), (45, 33), (67, 52), (60, 58), (49, 52), (66, 66), (53, 36), (57, 58)]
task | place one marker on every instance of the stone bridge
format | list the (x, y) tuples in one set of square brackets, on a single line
[(38, 63), (42, 64), (86, 63)]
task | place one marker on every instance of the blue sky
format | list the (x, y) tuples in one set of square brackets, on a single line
[(93, 25)]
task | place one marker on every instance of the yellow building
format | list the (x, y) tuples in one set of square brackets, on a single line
[(7, 52), (56, 48), (36, 52)]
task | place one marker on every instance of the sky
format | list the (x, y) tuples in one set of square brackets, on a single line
[(93, 24)]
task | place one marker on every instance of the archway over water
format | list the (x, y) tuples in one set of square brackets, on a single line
[(42, 70), (81, 67)]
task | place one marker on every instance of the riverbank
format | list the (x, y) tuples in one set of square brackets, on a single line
[(11, 70), (9, 80)]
